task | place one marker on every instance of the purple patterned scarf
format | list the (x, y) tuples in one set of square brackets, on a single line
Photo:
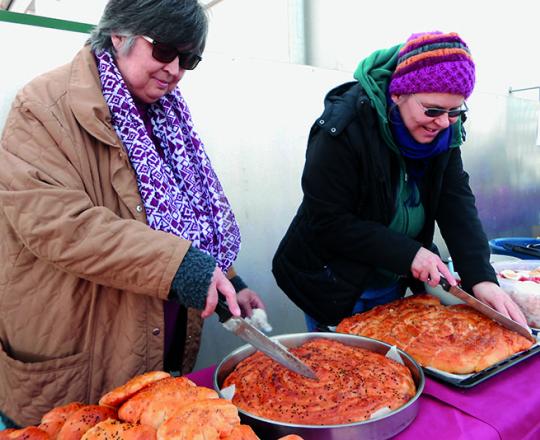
[(181, 193)]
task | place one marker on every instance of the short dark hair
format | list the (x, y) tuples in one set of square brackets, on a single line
[(182, 23)]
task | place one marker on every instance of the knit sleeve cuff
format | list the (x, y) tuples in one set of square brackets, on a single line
[(192, 279), (238, 283)]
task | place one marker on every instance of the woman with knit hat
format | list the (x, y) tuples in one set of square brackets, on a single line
[(384, 164)]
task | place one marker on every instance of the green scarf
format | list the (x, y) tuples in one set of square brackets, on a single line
[(374, 74)]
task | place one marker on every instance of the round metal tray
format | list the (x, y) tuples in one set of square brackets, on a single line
[(374, 429)]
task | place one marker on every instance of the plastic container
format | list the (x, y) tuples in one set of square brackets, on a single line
[(526, 248), (526, 294)]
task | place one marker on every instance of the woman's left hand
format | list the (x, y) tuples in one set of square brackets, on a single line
[(248, 300), (491, 294)]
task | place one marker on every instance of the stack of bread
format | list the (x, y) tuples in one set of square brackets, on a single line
[(152, 406)]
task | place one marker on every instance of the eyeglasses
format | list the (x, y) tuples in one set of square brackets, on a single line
[(165, 53), (434, 112)]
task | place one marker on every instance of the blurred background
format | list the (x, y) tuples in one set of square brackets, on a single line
[(266, 69)]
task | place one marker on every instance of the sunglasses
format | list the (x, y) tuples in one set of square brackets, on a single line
[(434, 112), (165, 53)]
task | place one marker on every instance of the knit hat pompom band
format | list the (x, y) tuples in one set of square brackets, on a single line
[(434, 62)]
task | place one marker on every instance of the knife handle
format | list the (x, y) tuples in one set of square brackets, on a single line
[(444, 283), (222, 310)]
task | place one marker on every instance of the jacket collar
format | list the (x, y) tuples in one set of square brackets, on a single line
[(86, 99)]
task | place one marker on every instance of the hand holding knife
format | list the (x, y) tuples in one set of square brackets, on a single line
[(241, 328), (486, 310), (229, 316)]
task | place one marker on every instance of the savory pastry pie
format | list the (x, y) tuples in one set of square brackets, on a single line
[(353, 384), (456, 339)]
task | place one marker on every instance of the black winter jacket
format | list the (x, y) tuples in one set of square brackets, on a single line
[(339, 236)]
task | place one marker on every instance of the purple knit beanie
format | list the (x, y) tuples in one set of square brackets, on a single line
[(433, 62)]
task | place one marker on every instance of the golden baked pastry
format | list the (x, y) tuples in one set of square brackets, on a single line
[(160, 406), (28, 433), (115, 430), (353, 384), (52, 421), (83, 419), (160, 409), (456, 339), (243, 432), (206, 419), (122, 393), (133, 408)]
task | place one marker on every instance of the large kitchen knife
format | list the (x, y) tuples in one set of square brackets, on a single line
[(486, 310), (243, 329)]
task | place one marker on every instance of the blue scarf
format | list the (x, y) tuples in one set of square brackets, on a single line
[(416, 153)]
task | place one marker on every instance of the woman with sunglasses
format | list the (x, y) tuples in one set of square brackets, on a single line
[(383, 164), (115, 229)]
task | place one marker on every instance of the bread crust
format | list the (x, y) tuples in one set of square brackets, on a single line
[(122, 393), (116, 430), (132, 410), (28, 433), (83, 419), (219, 415), (353, 383), (456, 339)]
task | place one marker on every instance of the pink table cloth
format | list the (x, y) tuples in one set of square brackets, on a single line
[(504, 407)]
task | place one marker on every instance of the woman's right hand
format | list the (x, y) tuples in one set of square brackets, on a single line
[(428, 267), (220, 285)]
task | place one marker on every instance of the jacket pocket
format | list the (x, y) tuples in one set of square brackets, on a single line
[(30, 389)]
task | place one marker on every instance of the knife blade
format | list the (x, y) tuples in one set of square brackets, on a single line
[(244, 330), (486, 310)]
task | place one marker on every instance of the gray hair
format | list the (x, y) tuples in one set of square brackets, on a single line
[(177, 22)]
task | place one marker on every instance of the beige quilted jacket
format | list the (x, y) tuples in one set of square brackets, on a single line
[(82, 277)]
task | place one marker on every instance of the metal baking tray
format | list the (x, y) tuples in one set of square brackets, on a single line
[(476, 378), (378, 428)]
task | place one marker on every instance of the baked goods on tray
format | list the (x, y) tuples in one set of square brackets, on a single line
[(151, 406), (353, 384), (455, 339)]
